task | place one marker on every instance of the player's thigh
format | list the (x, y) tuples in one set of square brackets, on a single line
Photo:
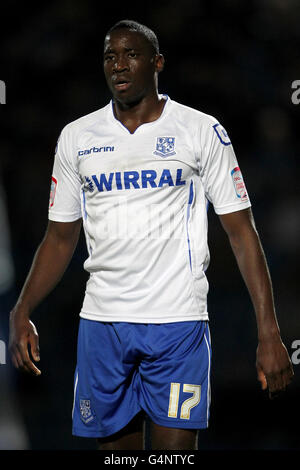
[(131, 437), (164, 438), (175, 385), (105, 398)]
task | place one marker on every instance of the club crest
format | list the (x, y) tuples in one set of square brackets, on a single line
[(165, 146), (85, 411)]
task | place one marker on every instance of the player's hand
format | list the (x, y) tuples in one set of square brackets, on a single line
[(24, 344), (274, 367)]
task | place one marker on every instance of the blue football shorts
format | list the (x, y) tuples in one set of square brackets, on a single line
[(123, 368)]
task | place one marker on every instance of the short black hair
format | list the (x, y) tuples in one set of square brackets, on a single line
[(139, 28)]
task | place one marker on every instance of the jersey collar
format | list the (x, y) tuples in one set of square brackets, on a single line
[(146, 125)]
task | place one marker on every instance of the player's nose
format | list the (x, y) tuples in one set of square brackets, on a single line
[(120, 64)]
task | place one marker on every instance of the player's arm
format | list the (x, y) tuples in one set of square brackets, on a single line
[(273, 364), (49, 264)]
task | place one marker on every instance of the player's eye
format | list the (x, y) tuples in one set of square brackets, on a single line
[(108, 58), (132, 55)]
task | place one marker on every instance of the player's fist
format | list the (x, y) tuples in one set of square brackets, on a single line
[(274, 368), (23, 343)]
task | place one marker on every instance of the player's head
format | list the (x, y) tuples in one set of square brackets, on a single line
[(131, 25), (131, 61)]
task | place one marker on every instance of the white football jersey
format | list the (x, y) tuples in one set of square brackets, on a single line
[(143, 200)]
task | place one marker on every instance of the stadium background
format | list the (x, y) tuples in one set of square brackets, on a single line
[(234, 60)]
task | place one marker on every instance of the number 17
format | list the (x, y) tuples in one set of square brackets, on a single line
[(188, 404)]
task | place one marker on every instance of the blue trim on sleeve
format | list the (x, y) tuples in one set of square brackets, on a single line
[(190, 201)]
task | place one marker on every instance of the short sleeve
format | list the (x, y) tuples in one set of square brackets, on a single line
[(65, 202), (221, 175)]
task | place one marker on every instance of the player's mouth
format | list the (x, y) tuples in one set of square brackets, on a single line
[(121, 84)]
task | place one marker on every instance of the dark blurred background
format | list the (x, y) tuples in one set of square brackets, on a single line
[(231, 59)]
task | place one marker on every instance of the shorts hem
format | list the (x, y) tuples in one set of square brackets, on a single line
[(104, 432), (203, 424)]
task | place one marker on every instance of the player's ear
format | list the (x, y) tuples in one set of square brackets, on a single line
[(159, 62)]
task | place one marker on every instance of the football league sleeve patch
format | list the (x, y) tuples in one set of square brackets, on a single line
[(223, 181), (65, 200)]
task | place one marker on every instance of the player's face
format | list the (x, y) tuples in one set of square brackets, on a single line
[(130, 66)]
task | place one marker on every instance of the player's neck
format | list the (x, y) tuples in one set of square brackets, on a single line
[(133, 115)]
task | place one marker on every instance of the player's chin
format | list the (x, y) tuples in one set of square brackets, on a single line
[(126, 98), (122, 91)]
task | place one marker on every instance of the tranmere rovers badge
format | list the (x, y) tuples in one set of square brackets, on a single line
[(165, 146), (85, 411)]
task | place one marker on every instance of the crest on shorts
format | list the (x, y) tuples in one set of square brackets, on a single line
[(85, 411), (165, 146)]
